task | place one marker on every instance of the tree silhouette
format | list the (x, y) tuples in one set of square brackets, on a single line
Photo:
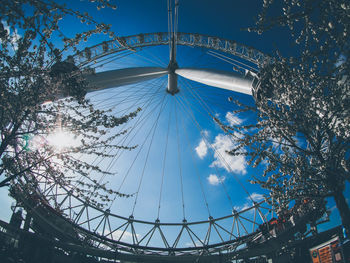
[(301, 134), (42, 93)]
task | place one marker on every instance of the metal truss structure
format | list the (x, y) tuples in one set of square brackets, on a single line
[(63, 212), (95, 229), (134, 42)]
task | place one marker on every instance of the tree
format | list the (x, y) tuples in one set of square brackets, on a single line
[(32, 71), (301, 134)]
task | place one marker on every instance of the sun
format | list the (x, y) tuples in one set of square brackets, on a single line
[(61, 140)]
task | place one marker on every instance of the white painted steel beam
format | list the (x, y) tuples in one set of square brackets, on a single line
[(220, 79), (121, 77)]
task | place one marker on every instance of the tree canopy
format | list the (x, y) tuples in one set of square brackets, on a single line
[(42, 95), (301, 133)]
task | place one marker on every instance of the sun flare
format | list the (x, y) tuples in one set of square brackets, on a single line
[(61, 140)]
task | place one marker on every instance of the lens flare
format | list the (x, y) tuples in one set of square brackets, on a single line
[(61, 140)]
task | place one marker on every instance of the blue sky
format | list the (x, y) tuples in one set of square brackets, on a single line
[(202, 169)]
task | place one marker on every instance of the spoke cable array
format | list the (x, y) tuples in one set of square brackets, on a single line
[(179, 162), (192, 106), (163, 166), (147, 155)]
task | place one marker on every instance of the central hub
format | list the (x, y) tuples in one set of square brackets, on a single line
[(172, 78)]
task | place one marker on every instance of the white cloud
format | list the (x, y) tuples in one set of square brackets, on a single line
[(248, 204), (197, 243), (256, 197), (201, 149), (232, 119), (236, 164), (127, 236), (241, 208), (213, 179)]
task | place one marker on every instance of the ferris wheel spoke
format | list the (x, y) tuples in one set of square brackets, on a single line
[(209, 146), (183, 105), (209, 114), (137, 103), (132, 101), (163, 166), (109, 60), (140, 122), (154, 60), (236, 63), (146, 104), (140, 117), (139, 100), (198, 100), (179, 161), (118, 97), (147, 154), (211, 101), (207, 102)]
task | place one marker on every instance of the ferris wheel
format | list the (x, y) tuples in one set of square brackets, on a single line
[(188, 197)]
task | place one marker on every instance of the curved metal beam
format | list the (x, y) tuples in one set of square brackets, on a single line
[(219, 79), (121, 77), (134, 42)]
